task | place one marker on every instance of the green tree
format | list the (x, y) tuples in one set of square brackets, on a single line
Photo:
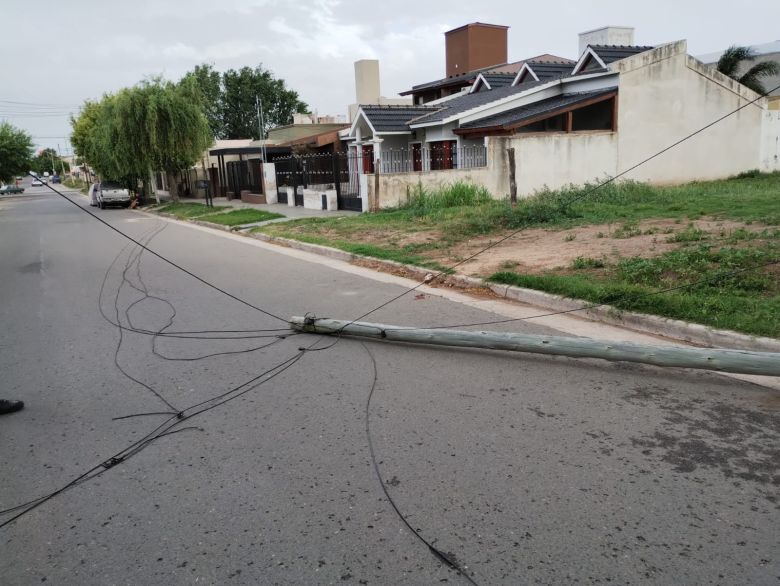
[(46, 160), (239, 109), (209, 83), (84, 136), (16, 150), (153, 126), (730, 64)]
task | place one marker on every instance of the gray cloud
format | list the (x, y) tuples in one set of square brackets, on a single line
[(60, 53)]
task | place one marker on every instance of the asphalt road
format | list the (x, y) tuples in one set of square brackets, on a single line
[(525, 470)]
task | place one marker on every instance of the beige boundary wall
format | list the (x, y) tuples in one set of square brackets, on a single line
[(666, 95), (551, 160), (770, 142), (555, 160)]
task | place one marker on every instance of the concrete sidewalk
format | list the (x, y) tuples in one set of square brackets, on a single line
[(291, 212)]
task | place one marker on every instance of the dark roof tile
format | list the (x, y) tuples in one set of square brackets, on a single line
[(471, 76), (497, 80), (469, 101), (532, 110), (394, 118), (548, 71), (610, 53)]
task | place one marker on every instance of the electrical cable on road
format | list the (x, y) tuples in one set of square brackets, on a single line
[(163, 258), (176, 417), (443, 557)]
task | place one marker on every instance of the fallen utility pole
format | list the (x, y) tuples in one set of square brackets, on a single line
[(738, 361)]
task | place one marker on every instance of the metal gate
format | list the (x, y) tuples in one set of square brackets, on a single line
[(320, 171), (244, 176), (346, 172), (285, 177)]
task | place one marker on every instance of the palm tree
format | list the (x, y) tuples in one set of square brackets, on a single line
[(729, 62)]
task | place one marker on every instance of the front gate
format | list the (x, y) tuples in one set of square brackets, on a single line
[(346, 172), (244, 175), (320, 171), (285, 177)]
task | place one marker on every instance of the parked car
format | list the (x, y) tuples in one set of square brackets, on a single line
[(93, 194), (7, 189), (55, 179), (112, 193)]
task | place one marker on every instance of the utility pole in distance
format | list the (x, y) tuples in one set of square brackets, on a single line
[(62, 163), (260, 122)]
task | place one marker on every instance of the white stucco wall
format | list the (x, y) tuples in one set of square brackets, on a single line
[(666, 95), (770, 141), (559, 159), (394, 188)]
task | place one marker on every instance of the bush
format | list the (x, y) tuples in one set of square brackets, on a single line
[(424, 201), (586, 262)]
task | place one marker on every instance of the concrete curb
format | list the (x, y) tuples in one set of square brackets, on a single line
[(648, 324)]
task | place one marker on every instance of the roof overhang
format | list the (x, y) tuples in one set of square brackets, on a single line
[(248, 150), (507, 100), (360, 114), (511, 127)]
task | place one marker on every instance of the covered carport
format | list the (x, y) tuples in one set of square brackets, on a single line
[(239, 168)]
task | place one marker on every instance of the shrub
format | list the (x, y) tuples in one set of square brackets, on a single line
[(424, 201), (586, 262)]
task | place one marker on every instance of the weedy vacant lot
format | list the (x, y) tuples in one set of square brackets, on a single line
[(711, 244)]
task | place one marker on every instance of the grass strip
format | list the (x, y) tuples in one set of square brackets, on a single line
[(379, 252), (747, 302), (240, 216), (182, 211)]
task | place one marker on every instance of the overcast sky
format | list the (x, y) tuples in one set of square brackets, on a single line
[(55, 54)]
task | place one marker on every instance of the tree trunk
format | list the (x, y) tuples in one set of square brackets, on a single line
[(173, 187), (153, 187)]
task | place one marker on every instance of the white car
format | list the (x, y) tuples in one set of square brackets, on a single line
[(36, 182), (111, 193)]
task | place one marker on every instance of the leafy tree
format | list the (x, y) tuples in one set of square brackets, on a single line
[(239, 106), (209, 83), (229, 102), (46, 160), (16, 149), (729, 64), (154, 126), (86, 136)]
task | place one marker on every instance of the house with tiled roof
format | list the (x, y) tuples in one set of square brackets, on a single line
[(568, 122)]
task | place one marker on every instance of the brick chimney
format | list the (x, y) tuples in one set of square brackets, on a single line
[(474, 46)]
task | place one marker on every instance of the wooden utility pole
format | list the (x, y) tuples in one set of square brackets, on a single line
[(738, 361), (512, 179)]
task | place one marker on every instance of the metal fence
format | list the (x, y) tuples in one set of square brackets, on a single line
[(432, 159)]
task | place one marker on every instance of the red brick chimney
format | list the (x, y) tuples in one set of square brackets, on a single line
[(474, 46)]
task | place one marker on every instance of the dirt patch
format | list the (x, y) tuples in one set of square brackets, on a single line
[(441, 281), (537, 249)]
